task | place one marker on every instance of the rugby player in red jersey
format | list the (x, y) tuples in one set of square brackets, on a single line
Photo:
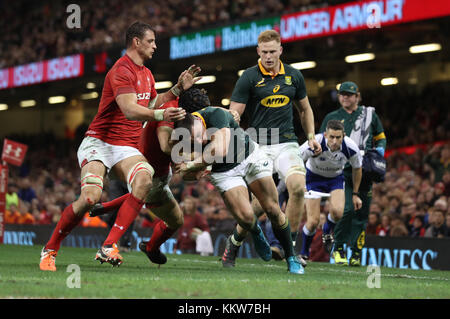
[(156, 145), (111, 142)]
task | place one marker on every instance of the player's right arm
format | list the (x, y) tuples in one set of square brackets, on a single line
[(127, 103), (241, 94), (237, 107)]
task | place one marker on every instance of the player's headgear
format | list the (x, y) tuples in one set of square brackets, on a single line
[(193, 100)]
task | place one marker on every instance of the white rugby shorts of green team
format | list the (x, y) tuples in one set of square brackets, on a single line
[(284, 159), (254, 167)]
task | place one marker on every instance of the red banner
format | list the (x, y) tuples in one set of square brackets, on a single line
[(359, 15), (409, 150), (13, 152), (39, 72), (3, 190)]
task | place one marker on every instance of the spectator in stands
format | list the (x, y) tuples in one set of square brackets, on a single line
[(430, 198), (11, 196), (439, 190), (12, 215), (438, 158), (398, 227), (394, 204), (385, 225), (372, 223), (92, 221), (446, 182), (194, 225), (54, 211), (418, 228), (26, 192), (221, 220), (25, 216), (408, 209), (447, 224), (437, 228)]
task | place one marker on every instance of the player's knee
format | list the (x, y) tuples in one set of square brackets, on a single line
[(140, 179), (90, 196), (91, 189), (337, 212), (312, 223), (246, 219), (272, 209), (297, 191)]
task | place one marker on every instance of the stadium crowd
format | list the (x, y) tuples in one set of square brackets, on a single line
[(103, 22)]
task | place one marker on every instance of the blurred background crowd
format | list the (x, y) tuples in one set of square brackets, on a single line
[(46, 36)]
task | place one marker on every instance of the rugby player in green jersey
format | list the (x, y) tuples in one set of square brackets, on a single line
[(364, 127), (267, 92), (237, 165)]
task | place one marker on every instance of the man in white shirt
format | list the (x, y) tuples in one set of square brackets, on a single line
[(324, 174)]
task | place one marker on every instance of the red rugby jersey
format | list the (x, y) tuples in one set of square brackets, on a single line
[(110, 124), (149, 144)]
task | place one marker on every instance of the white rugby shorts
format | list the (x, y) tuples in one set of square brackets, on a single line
[(283, 157), (254, 167), (93, 149)]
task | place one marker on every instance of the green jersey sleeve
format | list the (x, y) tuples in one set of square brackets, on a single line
[(300, 92), (242, 89)]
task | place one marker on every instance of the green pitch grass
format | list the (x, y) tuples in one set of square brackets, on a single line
[(192, 276)]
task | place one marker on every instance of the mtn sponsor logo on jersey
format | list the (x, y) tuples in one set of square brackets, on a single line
[(275, 101), (143, 96)]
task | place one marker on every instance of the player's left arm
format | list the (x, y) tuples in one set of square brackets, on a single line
[(307, 121), (379, 138)]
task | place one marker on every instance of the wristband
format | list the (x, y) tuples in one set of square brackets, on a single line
[(176, 90), (310, 136), (159, 115), (356, 193)]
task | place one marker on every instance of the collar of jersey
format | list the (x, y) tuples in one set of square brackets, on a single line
[(136, 65), (199, 116), (265, 72)]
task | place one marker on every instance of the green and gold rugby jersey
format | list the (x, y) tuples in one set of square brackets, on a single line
[(240, 146), (269, 100)]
